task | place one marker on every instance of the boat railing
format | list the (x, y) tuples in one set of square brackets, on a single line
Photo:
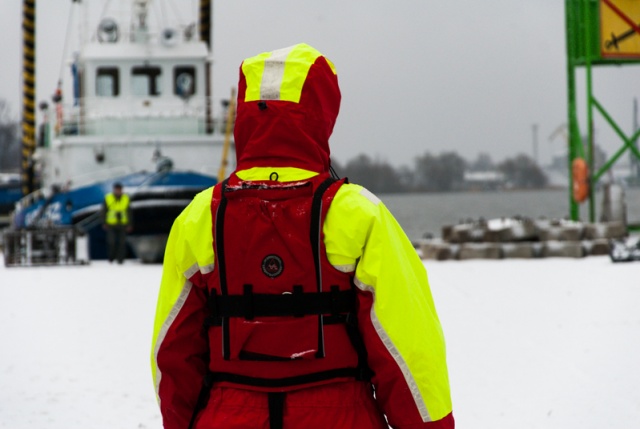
[(98, 176), (29, 199), (165, 118)]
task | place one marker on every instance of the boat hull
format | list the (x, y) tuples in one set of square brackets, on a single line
[(156, 200)]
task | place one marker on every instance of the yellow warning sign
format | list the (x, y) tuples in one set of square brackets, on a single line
[(620, 28)]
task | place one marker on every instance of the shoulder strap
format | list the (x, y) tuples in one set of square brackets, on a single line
[(315, 237), (220, 260)]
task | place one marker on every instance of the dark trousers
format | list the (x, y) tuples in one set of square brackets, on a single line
[(116, 242)]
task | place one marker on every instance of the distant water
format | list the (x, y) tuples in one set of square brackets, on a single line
[(428, 213)]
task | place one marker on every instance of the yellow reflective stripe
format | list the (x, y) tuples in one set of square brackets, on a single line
[(252, 69), (285, 174), (296, 70), (279, 75)]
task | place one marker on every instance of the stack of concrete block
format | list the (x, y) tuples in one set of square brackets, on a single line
[(507, 238)]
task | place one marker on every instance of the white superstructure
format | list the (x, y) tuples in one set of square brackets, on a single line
[(141, 96)]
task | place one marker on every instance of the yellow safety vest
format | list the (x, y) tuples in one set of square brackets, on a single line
[(117, 209)]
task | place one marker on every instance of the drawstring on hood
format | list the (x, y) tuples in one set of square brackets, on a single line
[(288, 102)]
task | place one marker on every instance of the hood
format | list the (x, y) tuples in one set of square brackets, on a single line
[(288, 102)]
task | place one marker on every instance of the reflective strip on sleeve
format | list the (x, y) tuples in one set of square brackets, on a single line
[(348, 268), (162, 332), (370, 196), (207, 269), (393, 351)]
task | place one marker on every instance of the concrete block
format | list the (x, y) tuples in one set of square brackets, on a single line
[(562, 249), (571, 232), (497, 235), (549, 233), (447, 232), (435, 249), (518, 250), (560, 231), (608, 230), (467, 233), (480, 251), (600, 246), (511, 229)]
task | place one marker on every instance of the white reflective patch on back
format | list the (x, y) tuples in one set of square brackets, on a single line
[(368, 195), (273, 73)]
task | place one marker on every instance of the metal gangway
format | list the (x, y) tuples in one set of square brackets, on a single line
[(60, 245)]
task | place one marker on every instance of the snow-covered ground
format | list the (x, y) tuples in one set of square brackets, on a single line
[(552, 343)]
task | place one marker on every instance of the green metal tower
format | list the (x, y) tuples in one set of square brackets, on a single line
[(599, 33)]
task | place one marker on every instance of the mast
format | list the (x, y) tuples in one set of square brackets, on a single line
[(28, 94), (205, 36)]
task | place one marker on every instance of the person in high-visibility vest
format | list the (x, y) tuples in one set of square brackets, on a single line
[(117, 222), (291, 298)]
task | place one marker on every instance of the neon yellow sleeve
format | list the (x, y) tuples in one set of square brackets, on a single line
[(361, 233), (186, 254)]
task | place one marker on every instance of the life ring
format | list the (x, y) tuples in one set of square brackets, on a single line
[(580, 176)]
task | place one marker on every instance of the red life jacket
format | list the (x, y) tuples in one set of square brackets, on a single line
[(281, 316)]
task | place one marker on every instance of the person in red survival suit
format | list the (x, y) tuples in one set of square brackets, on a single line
[(289, 298)]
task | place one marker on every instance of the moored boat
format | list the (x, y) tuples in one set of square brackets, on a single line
[(141, 115)]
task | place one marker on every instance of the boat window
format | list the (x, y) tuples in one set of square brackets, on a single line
[(146, 81), (107, 82), (184, 81)]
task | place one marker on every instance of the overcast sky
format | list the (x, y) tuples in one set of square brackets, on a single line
[(416, 75)]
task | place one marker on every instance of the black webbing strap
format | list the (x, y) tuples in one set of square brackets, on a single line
[(222, 268), (297, 304), (276, 409), (220, 255), (286, 381), (316, 226), (314, 236), (364, 372), (203, 398)]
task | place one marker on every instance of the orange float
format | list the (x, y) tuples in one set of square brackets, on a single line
[(580, 176)]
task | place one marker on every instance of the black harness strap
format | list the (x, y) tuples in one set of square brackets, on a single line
[(296, 304), (285, 381), (326, 320), (315, 238), (331, 307), (203, 398), (276, 409), (351, 324), (222, 268)]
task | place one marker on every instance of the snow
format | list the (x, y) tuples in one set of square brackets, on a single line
[(541, 343)]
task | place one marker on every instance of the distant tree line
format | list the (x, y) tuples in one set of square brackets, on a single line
[(439, 173)]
